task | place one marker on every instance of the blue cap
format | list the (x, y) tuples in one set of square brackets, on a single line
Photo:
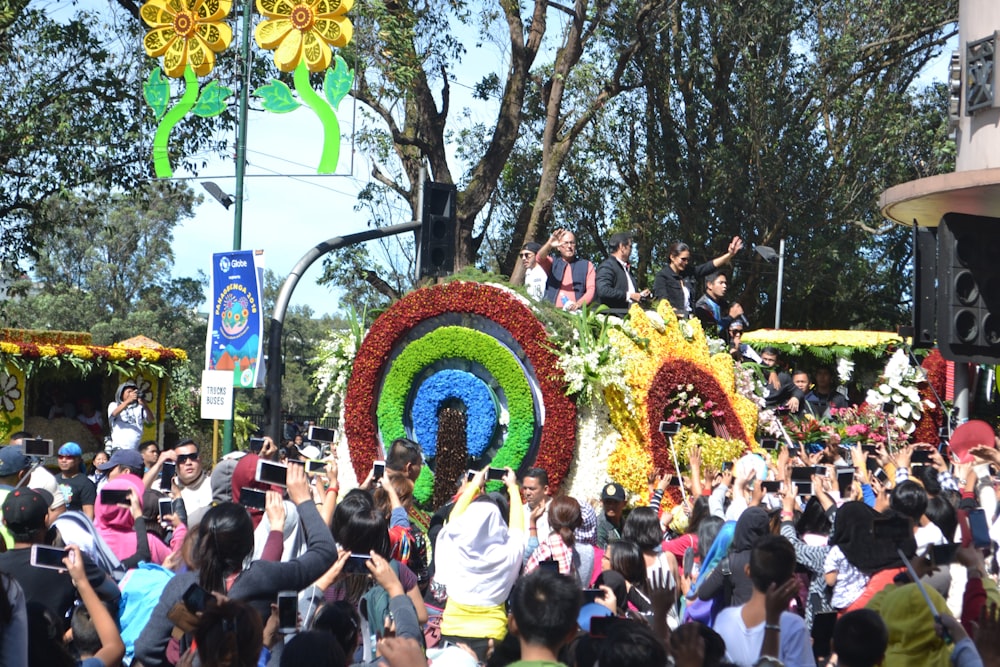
[(589, 611), (12, 460), (70, 449)]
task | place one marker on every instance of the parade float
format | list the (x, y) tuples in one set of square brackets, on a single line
[(40, 370), (479, 374)]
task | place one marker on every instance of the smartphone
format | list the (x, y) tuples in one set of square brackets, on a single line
[(982, 470), (495, 474), (822, 471), (980, 529), (921, 456), (727, 466), (47, 557), (894, 529), (378, 469), (271, 473), (114, 496), (943, 554), (793, 449), (688, 562), (845, 479), (592, 594), (881, 476), (256, 444), (167, 473), (869, 448), (165, 507), (803, 473), (38, 447), (805, 488), (253, 499), (674, 481), (196, 598), (288, 612), (357, 564), (769, 443), (771, 486), (670, 428), (470, 475), (550, 565), (322, 434), (599, 626), (313, 467), (178, 509)]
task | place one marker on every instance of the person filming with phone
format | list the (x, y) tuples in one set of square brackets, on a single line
[(127, 415)]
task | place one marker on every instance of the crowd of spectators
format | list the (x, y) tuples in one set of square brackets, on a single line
[(855, 557)]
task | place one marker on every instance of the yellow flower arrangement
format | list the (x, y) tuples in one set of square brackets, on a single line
[(822, 338), (306, 29), (186, 32)]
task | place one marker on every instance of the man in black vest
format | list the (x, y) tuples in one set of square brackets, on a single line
[(572, 280), (615, 285)]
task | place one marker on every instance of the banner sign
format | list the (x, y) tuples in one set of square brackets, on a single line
[(216, 395), (235, 325)]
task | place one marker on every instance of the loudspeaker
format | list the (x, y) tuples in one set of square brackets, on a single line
[(925, 270)]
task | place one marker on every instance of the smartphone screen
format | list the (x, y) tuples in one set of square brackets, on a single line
[(256, 444), (165, 507), (980, 529), (114, 497), (314, 467), (357, 564), (727, 466), (670, 428), (550, 565), (167, 474), (803, 473), (921, 456), (592, 594), (378, 469), (288, 611), (47, 557), (881, 476), (771, 486), (470, 475), (769, 443), (38, 447), (254, 499), (599, 626), (495, 474), (322, 434), (844, 481), (195, 598), (271, 473)]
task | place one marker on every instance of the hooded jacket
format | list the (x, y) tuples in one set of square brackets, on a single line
[(116, 526)]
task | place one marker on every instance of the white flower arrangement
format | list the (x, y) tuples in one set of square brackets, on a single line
[(596, 438), (336, 363), (898, 388), (845, 370)]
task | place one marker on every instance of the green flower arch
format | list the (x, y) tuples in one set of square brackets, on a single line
[(469, 345)]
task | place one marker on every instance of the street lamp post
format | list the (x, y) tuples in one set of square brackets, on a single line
[(769, 255)]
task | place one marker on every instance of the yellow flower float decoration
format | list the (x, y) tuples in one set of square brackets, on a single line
[(303, 31), (186, 32), (659, 357)]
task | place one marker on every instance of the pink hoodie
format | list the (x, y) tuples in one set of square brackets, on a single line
[(116, 525)]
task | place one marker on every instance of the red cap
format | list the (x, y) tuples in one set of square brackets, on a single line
[(973, 433)]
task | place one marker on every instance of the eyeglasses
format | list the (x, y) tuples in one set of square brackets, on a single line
[(181, 458)]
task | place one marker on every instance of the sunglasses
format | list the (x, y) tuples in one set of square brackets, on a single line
[(181, 458)]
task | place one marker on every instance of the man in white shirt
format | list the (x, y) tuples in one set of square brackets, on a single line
[(535, 489), (534, 275), (760, 626)]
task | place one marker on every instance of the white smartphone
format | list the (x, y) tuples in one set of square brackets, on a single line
[(288, 612)]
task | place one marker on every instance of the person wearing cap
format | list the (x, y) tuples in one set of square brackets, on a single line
[(24, 514), (127, 415), (534, 275), (737, 348), (609, 524), (13, 466), (123, 462), (79, 492)]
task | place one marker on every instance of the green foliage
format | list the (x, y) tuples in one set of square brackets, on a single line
[(337, 82), (156, 92), (211, 100), (277, 97)]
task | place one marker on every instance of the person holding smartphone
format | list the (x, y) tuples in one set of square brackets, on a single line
[(127, 416)]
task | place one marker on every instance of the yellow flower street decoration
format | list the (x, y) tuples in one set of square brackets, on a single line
[(298, 31), (186, 32)]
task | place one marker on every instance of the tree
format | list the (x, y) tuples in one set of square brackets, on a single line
[(73, 117)]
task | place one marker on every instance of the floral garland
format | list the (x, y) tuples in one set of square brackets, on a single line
[(468, 345), (480, 405), (825, 344), (46, 336), (26, 356), (932, 419), (492, 302)]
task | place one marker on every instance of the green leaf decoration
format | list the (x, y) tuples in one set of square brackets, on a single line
[(338, 82), (156, 91), (277, 97), (212, 100)]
